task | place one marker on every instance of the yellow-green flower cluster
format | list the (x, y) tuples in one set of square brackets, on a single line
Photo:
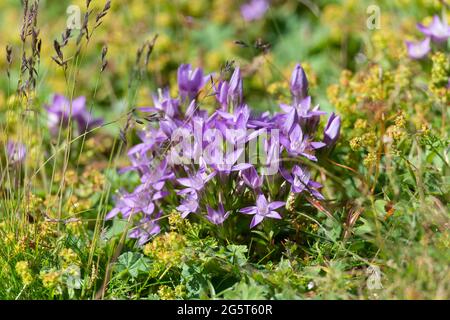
[(23, 270), (440, 77), (169, 293), (167, 249), (68, 257), (51, 280)]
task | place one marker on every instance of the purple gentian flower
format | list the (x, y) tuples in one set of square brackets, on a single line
[(217, 216), (299, 112), (16, 152), (222, 94), (193, 111), (231, 92), (163, 103), (263, 209), (418, 50), (123, 205), (254, 10), (236, 87), (300, 180), (332, 130), (299, 84), (157, 177), (197, 181), (132, 203), (251, 178), (59, 113), (298, 144), (190, 81), (146, 228), (236, 121), (438, 30), (152, 137), (189, 205), (227, 164)]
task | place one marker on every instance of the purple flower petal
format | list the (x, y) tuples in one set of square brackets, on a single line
[(438, 31), (254, 10), (276, 204), (418, 50), (249, 210), (274, 215), (256, 220)]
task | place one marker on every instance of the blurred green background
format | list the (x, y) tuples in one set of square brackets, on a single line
[(325, 36)]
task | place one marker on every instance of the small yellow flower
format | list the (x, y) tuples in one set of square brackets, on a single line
[(22, 268), (369, 139), (370, 159), (400, 120), (166, 293), (68, 256), (167, 249), (440, 70), (333, 93), (71, 177), (355, 143), (361, 124), (345, 78), (50, 279), (175, 220), (75, 227)]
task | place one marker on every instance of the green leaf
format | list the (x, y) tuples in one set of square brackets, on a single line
[(117, 229), (380, 208), (236, 254), (195, 279), (132, 263), (247, 291)]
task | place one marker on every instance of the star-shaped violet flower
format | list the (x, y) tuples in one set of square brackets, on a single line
[(297, 112), (438, 30), (197, 181), (147, 228), (157, 177), (300, 180), (251, 178), (418, 50), (61, 110), (163, 103), (217, 216), (190, 202), (132, 203), (299, 144), (225, 165), (263, 209)]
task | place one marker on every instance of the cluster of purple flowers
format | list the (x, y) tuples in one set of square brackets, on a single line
[(438, 31), (58, 115), (62, 110), (222, 163)]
